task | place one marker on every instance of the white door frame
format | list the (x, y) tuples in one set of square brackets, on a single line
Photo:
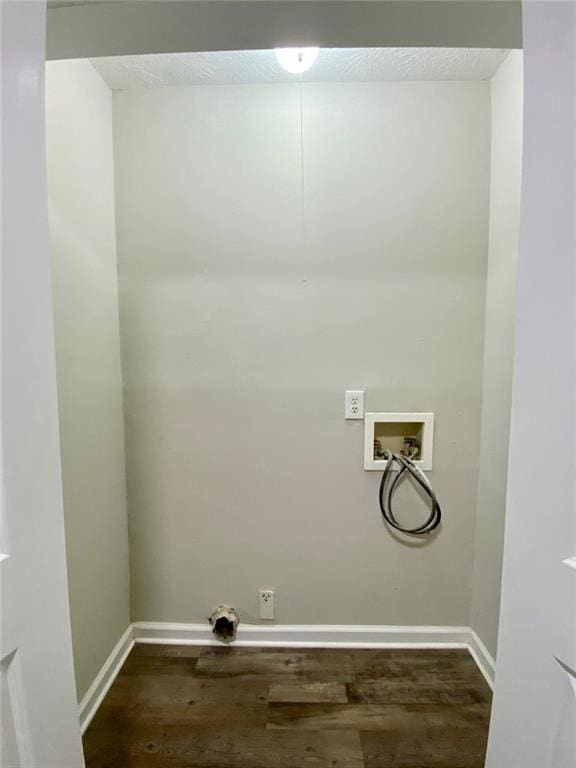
[(40, 711), (534, 712), (36, 625)]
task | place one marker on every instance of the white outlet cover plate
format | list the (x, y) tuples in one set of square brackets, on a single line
[(266, 601), (354, 404)]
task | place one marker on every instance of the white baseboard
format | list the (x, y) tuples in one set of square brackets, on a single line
[(308, 636), (104, 679), (323, 636), (287, 636), (483, 658)]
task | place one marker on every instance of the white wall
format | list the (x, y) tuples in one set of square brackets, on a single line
[(534, 706), (506, 110), (241, 333), (82, 241)]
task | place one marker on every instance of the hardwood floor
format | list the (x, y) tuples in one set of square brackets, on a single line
[(193, 707)]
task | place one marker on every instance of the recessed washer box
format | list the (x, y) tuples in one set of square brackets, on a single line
[(390, 430)]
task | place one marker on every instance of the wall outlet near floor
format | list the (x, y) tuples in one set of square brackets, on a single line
[(354, 404), (266, 602)]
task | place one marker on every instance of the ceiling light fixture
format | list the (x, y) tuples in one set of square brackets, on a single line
[(296, 60)]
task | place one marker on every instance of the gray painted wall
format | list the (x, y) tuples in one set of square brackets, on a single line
[(82, 241), (498, 345), (257, 284), (120, 28)]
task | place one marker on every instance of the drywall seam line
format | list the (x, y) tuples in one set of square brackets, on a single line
[(302, 197)]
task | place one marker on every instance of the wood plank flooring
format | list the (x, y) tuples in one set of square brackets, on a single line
[(193, 707)]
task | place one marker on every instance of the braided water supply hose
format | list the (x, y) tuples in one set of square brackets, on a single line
[(389, 484)]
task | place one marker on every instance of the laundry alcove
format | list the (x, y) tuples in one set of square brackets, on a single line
[(233, 248)]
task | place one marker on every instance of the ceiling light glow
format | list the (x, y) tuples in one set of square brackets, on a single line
[(296, 60)]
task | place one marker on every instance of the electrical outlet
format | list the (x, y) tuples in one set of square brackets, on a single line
[(266, 601), (354, 404)]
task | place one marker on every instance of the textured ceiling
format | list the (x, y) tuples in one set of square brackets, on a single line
[(333, 64)]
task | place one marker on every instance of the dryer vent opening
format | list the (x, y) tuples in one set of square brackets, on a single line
[(224, 621)]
